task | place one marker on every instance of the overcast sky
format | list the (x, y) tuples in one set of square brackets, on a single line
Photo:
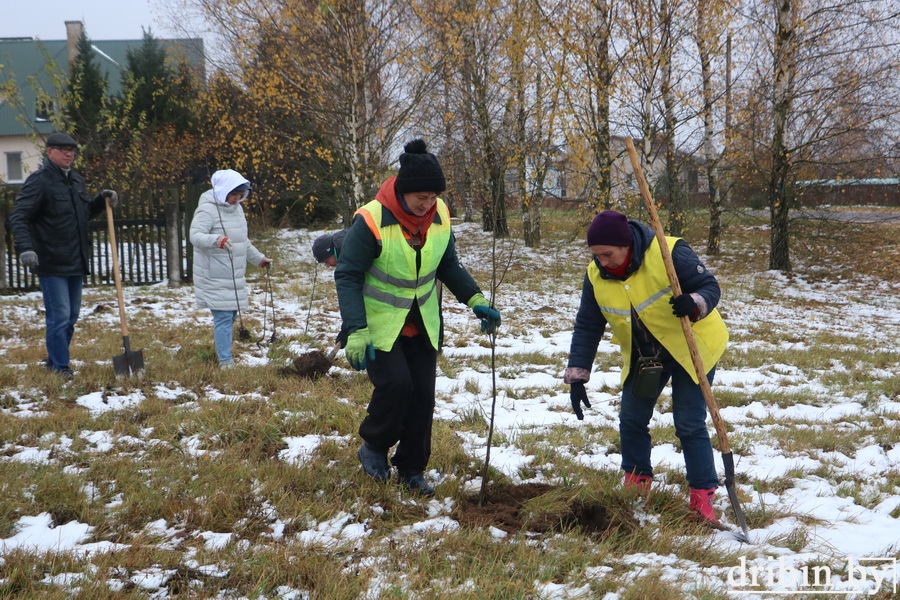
[(103, 19)]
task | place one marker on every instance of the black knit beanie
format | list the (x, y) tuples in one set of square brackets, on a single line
[(419, 170)]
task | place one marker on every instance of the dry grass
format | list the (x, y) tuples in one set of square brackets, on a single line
[(200, 449)]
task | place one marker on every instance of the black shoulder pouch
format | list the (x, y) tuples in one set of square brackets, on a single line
[(647, 373), (647, 369)]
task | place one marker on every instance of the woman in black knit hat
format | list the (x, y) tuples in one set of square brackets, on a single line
[(397, 248)]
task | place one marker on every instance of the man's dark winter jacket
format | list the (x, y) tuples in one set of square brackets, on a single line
[(50, 216), (590, 323)]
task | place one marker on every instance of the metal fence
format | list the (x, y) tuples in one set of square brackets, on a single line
[(151, 239)]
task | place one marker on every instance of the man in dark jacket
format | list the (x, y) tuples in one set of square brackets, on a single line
[(49, 223), (626, 286)]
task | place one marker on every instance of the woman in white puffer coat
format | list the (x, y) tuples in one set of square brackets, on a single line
[(222, 249)]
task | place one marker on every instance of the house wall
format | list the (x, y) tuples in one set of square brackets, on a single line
[(31, 155)]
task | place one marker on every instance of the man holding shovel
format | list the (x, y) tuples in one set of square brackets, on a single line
[(398, 247), (49, 222), (627, 287)]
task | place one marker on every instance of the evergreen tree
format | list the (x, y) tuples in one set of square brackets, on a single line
[(85, 98), (156, 94)]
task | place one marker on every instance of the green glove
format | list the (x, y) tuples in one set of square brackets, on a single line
[(490, 317), (359, 348)]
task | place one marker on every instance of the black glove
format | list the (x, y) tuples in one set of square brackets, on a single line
[(578, 395), (111, 196), (683, 306), (29, 258)]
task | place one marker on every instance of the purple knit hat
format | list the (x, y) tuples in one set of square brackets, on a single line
[(609, 228)]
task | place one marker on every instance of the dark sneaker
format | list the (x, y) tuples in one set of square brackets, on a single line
[(416, 483), (65, 372), (373, 462)]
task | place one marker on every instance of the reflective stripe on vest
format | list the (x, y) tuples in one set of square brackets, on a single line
[(648, 291), (392, 284)]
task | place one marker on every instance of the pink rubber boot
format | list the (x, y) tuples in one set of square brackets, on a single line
[(638, 483), (701, 503)]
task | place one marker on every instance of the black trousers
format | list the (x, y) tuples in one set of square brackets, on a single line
[(402, 406)]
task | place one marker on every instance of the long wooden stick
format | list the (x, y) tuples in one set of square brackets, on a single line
[(721, 432), (116, 276)]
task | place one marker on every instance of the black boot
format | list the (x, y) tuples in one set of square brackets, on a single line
[(415, 481), (373, 462)]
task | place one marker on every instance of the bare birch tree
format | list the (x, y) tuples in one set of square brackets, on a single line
[(352, 66), (829, 60)]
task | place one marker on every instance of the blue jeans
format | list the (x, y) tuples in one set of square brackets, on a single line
[(689, 412), (62, 302), (223, 321)]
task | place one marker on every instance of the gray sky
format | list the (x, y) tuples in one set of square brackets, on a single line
[(103, 19)]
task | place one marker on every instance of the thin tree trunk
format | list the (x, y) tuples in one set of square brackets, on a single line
[(469, 183), (600, 138), (672, 175), (521, 151), (779, 253), (705, 38), (494, 212)]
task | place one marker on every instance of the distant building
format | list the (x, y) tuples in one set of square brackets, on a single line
[(564, 185), (850, 191), (25, 121)]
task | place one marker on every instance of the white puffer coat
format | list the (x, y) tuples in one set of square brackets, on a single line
[(216, 274)]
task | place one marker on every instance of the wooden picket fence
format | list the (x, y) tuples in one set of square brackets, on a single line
[(151, 237)]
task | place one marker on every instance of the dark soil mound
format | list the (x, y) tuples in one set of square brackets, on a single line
[(311, 365)]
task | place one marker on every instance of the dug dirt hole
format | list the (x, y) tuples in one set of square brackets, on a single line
[(506, 507)]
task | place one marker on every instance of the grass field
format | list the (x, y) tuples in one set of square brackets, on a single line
[(200, 483)]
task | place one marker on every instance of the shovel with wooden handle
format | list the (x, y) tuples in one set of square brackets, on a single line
[(131, 362), (721, 433)]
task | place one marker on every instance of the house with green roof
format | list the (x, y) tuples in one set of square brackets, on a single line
[(30, 64)]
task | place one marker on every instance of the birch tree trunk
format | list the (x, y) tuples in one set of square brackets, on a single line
[(705, 42), (784, 71), (673, 170), (599, 132)]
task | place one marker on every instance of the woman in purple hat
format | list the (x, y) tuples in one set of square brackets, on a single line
[(626, 286)]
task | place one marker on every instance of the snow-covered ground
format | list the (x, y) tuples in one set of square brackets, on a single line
[(858, 541)]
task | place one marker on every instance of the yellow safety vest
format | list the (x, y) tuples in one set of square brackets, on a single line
[(392, 284), (648, 291)]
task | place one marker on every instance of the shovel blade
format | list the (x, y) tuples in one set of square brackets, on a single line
[(129, 363), (744, 534)]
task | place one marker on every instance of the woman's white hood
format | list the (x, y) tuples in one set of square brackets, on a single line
[(224, 182)]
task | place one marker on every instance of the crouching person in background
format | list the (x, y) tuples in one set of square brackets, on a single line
[(222, 249), (626, 286), (326, 249), (398, 246)]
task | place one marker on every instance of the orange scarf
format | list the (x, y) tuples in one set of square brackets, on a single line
[(415, 228)]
